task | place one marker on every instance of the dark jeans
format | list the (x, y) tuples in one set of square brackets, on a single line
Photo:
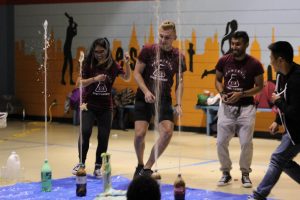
[(281, 160), (104, 120)]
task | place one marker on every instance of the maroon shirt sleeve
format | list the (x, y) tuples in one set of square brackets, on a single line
[(220, 64), (144, 54), (259, 68)]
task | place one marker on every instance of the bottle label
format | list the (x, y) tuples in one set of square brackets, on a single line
[(179, 190), (80, 179), (46, 176)]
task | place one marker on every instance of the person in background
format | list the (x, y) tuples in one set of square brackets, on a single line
[(99, 72), (70, 34), (239, 76), (288, 103), (154, 71)]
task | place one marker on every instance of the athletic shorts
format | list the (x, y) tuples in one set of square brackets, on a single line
[(144, 111)]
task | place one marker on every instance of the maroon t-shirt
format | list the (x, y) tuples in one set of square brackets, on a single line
[(160, 70), (98, 94), (239, 75)]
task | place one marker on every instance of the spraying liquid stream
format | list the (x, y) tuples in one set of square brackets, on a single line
[(179, 94), (46, 45), (81, 58), (46, 172), (157, 89)]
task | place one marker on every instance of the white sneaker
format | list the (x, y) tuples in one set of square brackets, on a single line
[(76, 168), (97, 173)]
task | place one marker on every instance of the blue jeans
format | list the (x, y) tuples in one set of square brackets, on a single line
[(281, 160)]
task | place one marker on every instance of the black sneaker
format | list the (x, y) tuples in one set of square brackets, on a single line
[(137, 171), (146, 172), (246, 181), (225, 180)]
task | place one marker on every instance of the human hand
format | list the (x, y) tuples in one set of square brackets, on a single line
[(83, 106), (233, 97), (177, 110), (100, 77), (126, 58), (274, 128), (224, 97), (274, 97), (149, 97)]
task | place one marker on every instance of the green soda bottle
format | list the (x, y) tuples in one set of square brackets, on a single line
[(46, 175)]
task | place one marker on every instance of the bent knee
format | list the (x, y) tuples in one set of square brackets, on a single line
[(247, 144), (167, 134), (140, 132)]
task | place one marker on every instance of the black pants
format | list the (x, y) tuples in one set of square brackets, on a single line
[(104, 120)]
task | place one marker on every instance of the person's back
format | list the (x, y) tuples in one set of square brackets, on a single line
[(143, 187)]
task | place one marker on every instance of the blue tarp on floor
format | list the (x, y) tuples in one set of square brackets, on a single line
[(65, 189)]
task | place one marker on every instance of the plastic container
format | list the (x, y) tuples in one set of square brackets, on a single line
[(13, 166), (3, 116)]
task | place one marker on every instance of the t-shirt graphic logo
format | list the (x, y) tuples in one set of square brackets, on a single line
[(159, 73), (233, 81), (101, 87)]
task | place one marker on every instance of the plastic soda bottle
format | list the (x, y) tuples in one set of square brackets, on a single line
[(81, 181), (179, 188), (13, 166), (46, 175)]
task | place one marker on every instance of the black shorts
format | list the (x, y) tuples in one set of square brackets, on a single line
[(144, 111)]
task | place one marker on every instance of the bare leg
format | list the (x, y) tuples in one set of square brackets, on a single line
[(166, 128), (140, 128)]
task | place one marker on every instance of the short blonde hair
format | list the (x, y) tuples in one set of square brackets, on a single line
[(168, 25)]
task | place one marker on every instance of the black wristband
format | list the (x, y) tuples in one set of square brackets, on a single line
[(177, 105)]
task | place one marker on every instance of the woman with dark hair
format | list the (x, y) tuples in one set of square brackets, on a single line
[(98, 75)]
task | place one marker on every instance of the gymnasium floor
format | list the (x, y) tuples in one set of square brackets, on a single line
[(199, 163)]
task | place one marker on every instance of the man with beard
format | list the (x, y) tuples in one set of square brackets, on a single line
[(239, 76), (154, 72)]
